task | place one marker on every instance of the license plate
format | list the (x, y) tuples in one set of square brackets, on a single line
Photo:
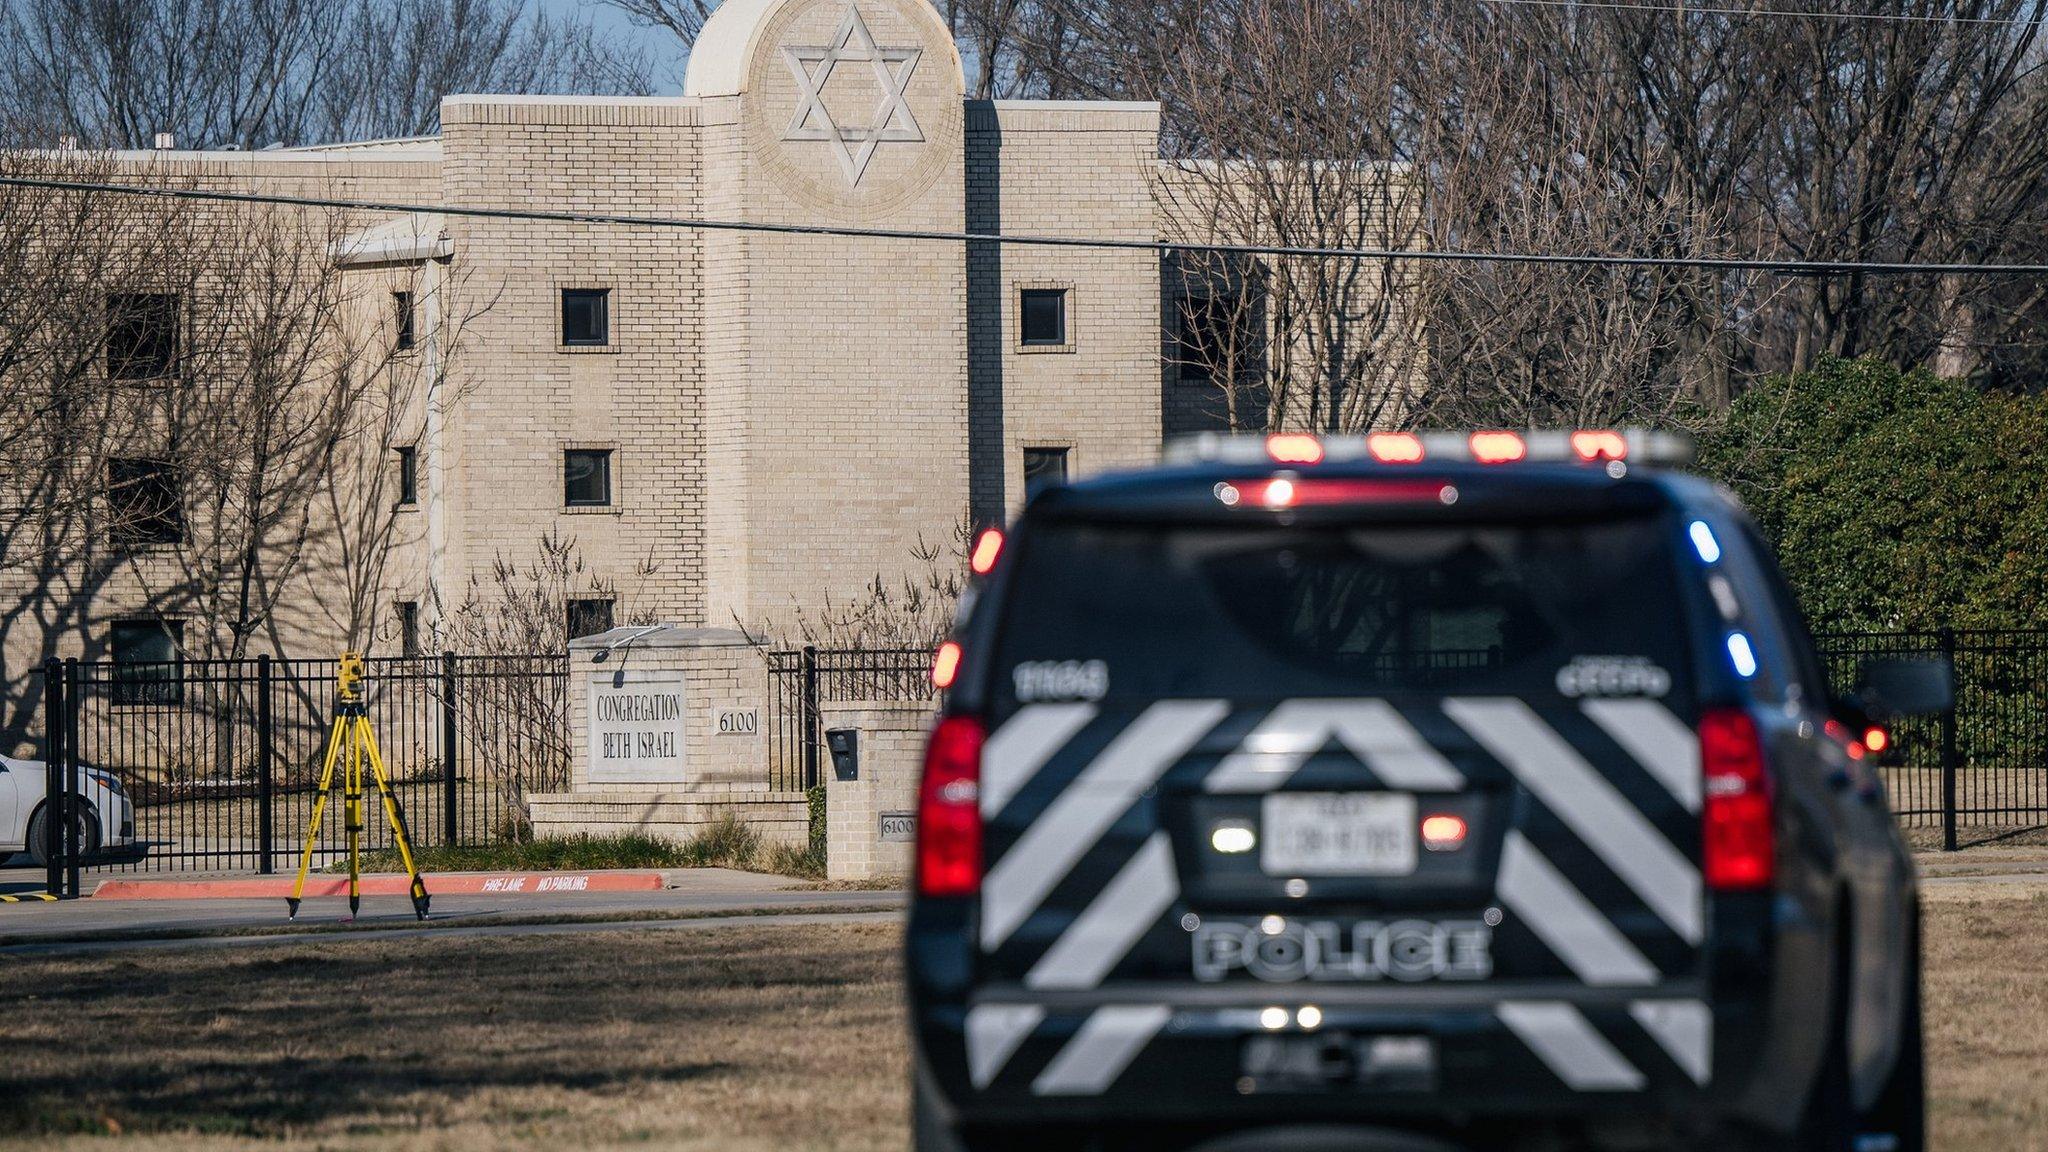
[(1335, 1061), (1338, 834)]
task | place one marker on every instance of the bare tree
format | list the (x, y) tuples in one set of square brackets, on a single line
[(254, 73), (682, 19), (1288, 132), (64, 256), (516, 614), (400, 57), (915, 611), (1598, 131)]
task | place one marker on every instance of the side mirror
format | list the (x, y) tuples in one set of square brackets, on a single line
[(1892, 687)]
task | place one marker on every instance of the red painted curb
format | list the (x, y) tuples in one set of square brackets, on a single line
[(440, 884)]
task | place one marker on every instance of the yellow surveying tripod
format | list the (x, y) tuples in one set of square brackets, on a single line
[(352, 735)]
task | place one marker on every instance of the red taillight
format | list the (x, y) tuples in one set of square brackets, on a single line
[(949, 810), (1738, 841), (1287, 492), (1294, 449), (1498, 447)]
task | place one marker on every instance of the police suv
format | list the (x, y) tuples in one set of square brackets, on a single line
[(1473, 791)]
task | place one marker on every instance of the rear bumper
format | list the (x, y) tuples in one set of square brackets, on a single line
[(1433, 1055)]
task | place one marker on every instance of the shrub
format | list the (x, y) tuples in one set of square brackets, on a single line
[(1895, 500), (816, 796), (728, 843)]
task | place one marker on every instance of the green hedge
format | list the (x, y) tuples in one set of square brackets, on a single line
[(1896, 500)]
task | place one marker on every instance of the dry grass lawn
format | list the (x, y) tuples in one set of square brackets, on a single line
[(750, 1039), (1987, 1016), (754, 1039)]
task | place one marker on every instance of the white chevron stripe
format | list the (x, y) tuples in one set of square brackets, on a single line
[(1686, 1030), (1021, 747), (1101, 1050), (1615, 829), (994, 1033), (1659, 741), (1043, 856), (1112, 924), (1372, 730), (1565, 920), (1570, 1046)]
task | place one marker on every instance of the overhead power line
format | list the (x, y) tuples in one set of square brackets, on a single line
[(1797, 13), (1159, 247)]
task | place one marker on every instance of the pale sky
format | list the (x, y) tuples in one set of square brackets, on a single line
[(668, 55)]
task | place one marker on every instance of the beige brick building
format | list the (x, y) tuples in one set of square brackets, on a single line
[(733, 426)]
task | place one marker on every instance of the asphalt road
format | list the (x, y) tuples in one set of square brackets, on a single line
[(446, 928), (94, 922)]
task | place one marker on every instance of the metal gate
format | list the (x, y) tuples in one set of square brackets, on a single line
[(801, 681), (220, 760)]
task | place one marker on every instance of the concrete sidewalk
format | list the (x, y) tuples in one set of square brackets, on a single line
[(684, 893)]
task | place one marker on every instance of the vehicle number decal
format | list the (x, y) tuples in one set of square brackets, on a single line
[(1601, 676), (1047, 681)]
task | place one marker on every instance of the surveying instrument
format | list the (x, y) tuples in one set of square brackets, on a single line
[(353, 744)]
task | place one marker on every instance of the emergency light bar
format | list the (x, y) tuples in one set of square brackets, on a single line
[(1585, 446)]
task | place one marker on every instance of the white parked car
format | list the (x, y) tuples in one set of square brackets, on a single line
[(106, 819)]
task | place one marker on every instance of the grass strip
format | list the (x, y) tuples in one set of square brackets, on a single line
[(466, 920), (729, 843)]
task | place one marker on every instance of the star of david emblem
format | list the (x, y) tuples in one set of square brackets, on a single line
[(854, 145)]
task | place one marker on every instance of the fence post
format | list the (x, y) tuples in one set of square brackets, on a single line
[(266, 796), (53, 766), (72, 882), (451, 818), (810, 706), (1951, 754)]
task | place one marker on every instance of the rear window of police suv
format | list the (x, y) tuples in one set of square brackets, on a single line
[(1130, 614)]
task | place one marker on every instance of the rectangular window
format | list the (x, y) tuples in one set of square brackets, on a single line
[(142, 335), (1211, 340), (408, 476), (408, 332), (589, 618), (145, 502), (1271, 612), (587, 478), (1043, 468), (149, 662), (1045, 317), (408, 628), (586, 317)]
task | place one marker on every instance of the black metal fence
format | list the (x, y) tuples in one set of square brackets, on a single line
[(1981, 770), (220, 760), (1979, 773), (802, 681)]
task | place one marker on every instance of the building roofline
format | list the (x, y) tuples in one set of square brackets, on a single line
[(471, 99), (394, 143), (341, 154), (1140, 106)]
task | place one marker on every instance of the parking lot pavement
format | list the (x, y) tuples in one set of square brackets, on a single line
[(688, 893)]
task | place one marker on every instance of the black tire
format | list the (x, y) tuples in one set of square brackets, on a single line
[(1900, 1110), (929, 1131), (1828, 1123), (1897, 1120), (42, 843)]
